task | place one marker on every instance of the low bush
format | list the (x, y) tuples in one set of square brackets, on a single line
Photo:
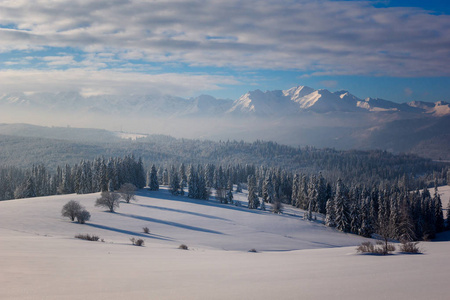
[(87, 237), (183, 247), (137, 242), (146, 230), (410, 247), (380, 248)]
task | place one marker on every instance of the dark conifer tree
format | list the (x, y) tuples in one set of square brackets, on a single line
[(253, 201), (342, 207)]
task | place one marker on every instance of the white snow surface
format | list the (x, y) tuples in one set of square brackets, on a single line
[(41, 259), (130, 136)]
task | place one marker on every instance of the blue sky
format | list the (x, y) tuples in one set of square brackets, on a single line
[(397, 50)]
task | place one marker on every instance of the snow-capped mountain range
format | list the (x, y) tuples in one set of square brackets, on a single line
[(303, 98), (275, 103)]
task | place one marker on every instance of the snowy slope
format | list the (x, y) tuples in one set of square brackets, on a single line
[(176, 220), (40, 259)]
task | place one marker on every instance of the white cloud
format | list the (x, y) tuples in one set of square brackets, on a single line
[(108, 82), (59, 60), (317, 36)]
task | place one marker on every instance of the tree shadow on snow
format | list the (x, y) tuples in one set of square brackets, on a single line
[(175, 224), (152, 236), (181, 211), (442, 237), (164, 194)]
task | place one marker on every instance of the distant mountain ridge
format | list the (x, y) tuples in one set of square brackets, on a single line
[(276, 103)]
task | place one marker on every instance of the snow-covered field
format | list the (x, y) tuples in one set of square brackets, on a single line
[(41, 259)]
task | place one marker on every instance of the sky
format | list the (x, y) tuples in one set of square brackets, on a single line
[(397, 50)]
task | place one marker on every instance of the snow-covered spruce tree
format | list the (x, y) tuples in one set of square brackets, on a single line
[(438, 214), (230, 197), (182, 177), (355, 216), (192, 182), (406, 224), (165, 177), (209, 174), (140, 174), (174, 181), (153, 182), (301, 201), (253, 201), (394, 216), (295, 188), (367, 222), (342, 209), (322, 195), (268, 189), (312, 196), (330, 217), (203, 192), (429, 209)]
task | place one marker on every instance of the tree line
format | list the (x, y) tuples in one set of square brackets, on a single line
[(86, 177), (388, 207)]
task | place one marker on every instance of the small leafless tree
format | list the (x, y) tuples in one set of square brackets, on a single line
[(71, 209), (109, 200), (83, 216), (127, 191)]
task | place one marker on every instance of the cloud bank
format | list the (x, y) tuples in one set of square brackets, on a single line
[(111, 42)]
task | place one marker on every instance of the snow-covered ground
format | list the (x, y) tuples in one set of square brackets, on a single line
[(41, 259), (129, 136)]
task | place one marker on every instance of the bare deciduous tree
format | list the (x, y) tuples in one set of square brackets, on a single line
[(83, 216), (127, 191), (71, 209), (109, 200)]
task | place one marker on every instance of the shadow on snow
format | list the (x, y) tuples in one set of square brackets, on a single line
[(181, 211), (165, 195), (153, 236), (175, 224)]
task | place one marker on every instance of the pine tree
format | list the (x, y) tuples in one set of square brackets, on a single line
[(268, 189), (312, 196), (406, 224), (253, 201), (341, 208), (153, 183), (182, 176), (367, 222), (355, 216), (322, 196), (330, 217), (448, 215), (438, 214), (174, 182), (295, 189)]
